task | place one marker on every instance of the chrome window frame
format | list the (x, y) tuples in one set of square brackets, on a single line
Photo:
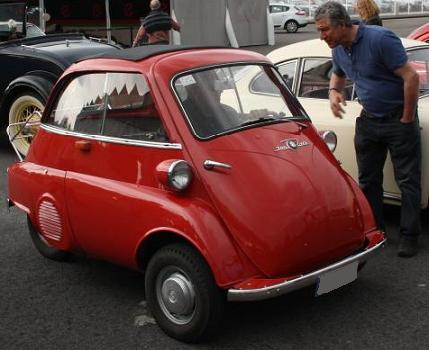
[(110, 139)]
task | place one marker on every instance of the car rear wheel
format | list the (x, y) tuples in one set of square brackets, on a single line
[(182, 294), (44, 248), (291, 26), (23, 109)]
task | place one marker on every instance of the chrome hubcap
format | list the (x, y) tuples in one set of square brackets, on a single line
[(176, 295)]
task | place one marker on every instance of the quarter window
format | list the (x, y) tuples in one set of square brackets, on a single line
[(288, 71)]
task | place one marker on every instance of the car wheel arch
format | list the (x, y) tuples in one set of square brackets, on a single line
[(39, 84), (158, 239)]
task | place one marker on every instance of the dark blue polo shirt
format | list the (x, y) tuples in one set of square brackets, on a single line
[(375, 54)]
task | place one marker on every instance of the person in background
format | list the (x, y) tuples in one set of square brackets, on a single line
[(156, 26), (369, 12), (387, 87)]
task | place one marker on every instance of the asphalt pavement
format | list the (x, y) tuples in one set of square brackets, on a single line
[(88, 304)]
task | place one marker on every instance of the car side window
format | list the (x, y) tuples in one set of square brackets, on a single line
[(130, 112), (288, 72), (315, 79), (109, 104), (275, 9), (81, 105)]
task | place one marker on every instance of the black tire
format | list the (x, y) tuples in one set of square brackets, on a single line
[(291, 26), (195, 304), (44, 248)]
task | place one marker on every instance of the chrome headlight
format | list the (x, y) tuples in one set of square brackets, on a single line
[(175, 174), (330, 139), (179, 175)]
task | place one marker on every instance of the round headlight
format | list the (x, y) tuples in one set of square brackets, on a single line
[(330, 139), (175, 174), (179, 175)]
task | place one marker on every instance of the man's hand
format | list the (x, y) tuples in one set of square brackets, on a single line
[(337, 99), (406, 120)]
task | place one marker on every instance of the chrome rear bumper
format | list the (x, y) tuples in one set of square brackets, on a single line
[(299, 282)]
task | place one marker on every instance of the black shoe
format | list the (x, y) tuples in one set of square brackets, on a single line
[(408, 247)]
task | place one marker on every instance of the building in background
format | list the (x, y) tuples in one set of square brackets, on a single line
[(204, 22)]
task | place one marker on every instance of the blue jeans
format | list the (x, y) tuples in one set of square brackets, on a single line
[(373, 138)]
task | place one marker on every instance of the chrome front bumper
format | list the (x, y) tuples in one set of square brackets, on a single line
[(299, 282)]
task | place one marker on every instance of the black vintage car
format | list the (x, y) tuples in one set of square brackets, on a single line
[(29, 67)]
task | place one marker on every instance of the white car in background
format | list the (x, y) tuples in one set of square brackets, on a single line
[(287, 16), (306, 67)]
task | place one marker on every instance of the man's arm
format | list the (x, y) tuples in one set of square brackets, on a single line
[(175, 25), (139, 36), (411, 91), (336, 95)]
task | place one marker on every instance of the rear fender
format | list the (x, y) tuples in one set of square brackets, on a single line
[(37, 81)]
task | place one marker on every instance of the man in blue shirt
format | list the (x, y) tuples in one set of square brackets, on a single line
[(387, 87)]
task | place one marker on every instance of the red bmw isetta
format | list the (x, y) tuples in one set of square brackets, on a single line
[(152, 158)]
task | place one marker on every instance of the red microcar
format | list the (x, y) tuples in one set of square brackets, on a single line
[(155, 158)]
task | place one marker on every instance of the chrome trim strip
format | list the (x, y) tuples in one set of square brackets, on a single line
[(392, 196), (111, 139), (297, 283)]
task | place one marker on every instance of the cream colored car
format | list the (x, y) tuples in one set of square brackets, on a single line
[(306, 67)]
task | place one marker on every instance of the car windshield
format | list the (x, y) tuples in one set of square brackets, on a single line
[(33, 31), (419, 59), (220, 100)]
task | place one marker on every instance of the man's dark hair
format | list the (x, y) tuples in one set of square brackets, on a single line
[(335, 12)]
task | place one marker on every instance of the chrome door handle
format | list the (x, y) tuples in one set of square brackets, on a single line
[(211, 164)]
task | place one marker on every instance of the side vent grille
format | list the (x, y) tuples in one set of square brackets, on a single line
[(50, 221)]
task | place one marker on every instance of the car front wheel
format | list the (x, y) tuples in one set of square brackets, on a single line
[(24, 116), (182, 294), (291, 26)]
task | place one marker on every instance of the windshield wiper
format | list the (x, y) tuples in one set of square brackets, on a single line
[(279, 117), (259, 120)]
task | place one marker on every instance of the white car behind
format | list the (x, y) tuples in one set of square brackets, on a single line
[(287, 16)]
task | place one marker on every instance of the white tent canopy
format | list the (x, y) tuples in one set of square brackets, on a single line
[(223, 22)]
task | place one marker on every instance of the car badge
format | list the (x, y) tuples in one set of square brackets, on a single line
[(290, 144)]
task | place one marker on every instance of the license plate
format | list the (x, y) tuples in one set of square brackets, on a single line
[(337, 278)]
